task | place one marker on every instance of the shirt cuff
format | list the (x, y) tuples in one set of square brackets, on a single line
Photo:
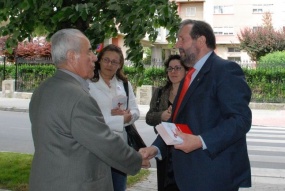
[(203, 143), (158, 155)]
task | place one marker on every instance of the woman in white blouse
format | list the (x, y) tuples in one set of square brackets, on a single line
[(105, 87)]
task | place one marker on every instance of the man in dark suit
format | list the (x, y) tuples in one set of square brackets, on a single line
[(74, 148), (216, 108)]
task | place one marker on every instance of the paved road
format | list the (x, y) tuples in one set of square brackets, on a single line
[(266, 146)]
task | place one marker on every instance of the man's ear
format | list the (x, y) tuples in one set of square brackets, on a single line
[(71, 57), (202, 40)]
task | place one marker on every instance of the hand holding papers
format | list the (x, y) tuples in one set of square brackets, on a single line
[(119, 102), (168, 132)]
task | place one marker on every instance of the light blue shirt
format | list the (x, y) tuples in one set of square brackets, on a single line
[(198, 67)]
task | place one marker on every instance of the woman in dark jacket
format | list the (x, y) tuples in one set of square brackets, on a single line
[(160, 110)]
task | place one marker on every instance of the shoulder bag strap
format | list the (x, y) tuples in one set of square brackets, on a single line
[(126, 87)]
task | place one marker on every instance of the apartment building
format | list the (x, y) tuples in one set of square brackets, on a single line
[(229, 17)]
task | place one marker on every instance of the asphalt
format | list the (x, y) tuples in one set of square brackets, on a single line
[(262, 116)]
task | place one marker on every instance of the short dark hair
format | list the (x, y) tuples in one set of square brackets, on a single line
[(201, 28)]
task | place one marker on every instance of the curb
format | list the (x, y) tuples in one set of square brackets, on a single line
[(269, 106), (258, 106), (14, 109)]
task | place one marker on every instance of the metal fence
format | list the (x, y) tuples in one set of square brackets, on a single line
[(266, 86), (3, 74), (26, 80)]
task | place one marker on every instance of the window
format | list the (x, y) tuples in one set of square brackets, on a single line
[(190, 11), (232, 49), (223, 30), (235, 59), (262, 8), (256, 28), (257, 11), (224, 9), (228, 31)]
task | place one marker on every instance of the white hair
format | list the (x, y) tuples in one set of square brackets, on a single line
[(63, 41)]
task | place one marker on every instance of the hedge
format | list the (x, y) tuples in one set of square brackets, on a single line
[(267, 84)]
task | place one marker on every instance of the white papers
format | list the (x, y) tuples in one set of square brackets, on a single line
[(119, 101), (168, 133)]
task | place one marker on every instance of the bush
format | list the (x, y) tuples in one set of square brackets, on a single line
[(31, 76), (267, 83), (154, 76), (150, 76), (275, 59)]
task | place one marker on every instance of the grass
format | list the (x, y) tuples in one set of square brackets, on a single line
[(138, 177), (15, 171)]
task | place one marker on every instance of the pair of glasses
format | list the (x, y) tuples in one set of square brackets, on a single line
[(107, 61), (176, 68)]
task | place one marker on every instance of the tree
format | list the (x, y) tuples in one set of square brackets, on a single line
[(147, 58), (267, 20), (98, 19), (262, 40), (2, 44)]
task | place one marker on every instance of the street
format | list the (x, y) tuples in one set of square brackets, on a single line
[(15, 132), (266, 144)]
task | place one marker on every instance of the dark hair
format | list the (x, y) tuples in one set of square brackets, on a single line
[(166, 65), (201, 28), (119, 74)]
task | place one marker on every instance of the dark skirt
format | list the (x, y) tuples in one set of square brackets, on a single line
[(165, 175)]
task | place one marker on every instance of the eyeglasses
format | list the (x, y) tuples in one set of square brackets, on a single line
[(107, 61), (176, 68)]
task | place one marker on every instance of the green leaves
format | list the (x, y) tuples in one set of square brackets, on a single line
[(261, 41), (99, 20), (135, 19)]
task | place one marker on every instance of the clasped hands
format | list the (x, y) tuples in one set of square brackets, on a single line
[(146, 155), (190, 143), (126, 113)]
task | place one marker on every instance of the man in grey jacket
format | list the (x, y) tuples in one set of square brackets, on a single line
[(74, 148)]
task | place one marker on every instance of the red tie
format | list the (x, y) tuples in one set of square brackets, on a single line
[(185, 87)]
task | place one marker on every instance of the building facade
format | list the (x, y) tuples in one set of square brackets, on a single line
[(227, 18)]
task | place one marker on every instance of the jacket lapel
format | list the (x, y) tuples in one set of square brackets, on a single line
[(195, 83)]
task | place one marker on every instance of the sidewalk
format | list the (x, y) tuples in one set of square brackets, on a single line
[(261, 117), (258, 183)]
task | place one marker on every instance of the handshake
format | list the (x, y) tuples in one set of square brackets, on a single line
[(190, 143), (147, 153)]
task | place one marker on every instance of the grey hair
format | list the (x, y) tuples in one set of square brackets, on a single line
[(63, 41)]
